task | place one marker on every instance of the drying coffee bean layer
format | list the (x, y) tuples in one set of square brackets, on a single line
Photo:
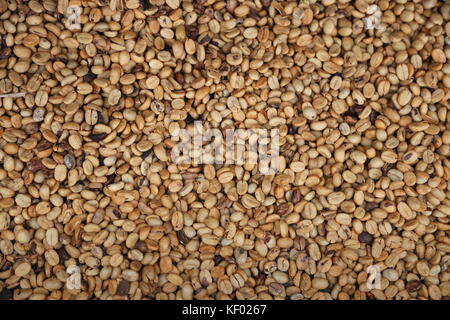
[(87, 119)]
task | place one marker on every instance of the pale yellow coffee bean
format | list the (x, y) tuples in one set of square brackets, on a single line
[(60, 172), (23, 200), (152, 82), (22, 269), (51, 237)]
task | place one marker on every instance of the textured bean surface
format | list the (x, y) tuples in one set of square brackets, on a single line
[(93, 207)]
